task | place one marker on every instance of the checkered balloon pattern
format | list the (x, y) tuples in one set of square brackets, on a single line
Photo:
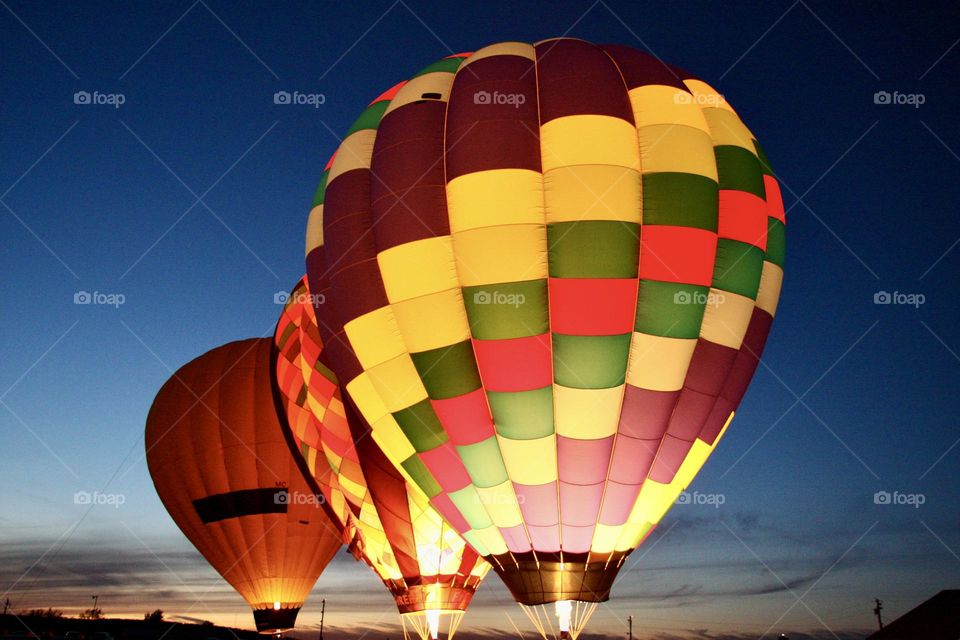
[(387, 522), (548, 272)]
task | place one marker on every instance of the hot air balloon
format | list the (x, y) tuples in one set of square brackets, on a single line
[(221, 464), (549, 273), (424, 563)]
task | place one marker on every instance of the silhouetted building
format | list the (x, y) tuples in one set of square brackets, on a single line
[(936, 619)]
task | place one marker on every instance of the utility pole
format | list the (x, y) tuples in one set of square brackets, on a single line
[(96, 599), (323, 609), (6, 606), (630, 623), (876, 611)]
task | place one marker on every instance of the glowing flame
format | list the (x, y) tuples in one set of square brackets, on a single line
[(276, 606), (564, 609), (433, 621)]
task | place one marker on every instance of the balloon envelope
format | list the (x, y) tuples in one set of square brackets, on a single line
[(549, 272), (422, 560), (222, 466)]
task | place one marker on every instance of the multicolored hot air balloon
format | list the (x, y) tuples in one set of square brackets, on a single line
[(423, 561), (549, 273), (222, 467)]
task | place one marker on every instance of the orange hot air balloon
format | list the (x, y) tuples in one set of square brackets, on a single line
[(428, 568), (549, 272), (221, 464)]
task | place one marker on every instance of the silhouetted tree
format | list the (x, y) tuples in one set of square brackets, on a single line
[(43, 613), (154, 616)]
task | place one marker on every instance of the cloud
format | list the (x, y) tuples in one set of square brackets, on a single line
[(490, 633), (188, 619), (678, 575), (164, 574)]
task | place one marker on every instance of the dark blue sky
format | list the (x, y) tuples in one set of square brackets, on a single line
[(190, 200)]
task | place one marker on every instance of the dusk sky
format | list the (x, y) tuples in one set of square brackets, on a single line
[(186, 206)]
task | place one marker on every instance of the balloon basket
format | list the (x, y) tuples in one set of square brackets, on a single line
[(274, 621)]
